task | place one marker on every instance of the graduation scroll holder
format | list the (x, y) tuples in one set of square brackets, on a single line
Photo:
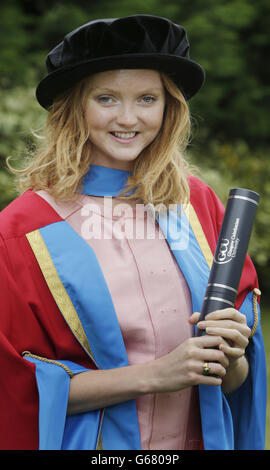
[(230, 253)]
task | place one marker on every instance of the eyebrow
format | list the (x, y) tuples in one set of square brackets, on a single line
[(142, 92)]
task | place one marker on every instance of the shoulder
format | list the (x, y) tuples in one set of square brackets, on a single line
[(24, 214), (203, 193), (204, 199), (208, 208)]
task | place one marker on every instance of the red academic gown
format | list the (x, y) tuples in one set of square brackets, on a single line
[(30, 318)]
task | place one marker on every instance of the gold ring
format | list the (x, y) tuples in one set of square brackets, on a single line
[(206, 370)]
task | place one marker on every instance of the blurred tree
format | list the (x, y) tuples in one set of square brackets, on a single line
[(232, 44), (14, 43)]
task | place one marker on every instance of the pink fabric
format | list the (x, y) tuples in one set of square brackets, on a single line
[(152, 303)]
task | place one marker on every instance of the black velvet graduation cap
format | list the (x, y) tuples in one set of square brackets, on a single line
[(132, 42)]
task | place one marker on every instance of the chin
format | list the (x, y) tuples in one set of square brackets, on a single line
[(125, 159)]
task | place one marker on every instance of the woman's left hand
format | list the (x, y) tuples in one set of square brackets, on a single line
[(232, 326)]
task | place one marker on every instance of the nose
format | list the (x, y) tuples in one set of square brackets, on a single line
[(127, 116)]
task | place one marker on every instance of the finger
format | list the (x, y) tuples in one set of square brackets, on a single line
[(232, 352), (193, 319), (241, 327), (227, 313), (209, 380), (209, 341), (215, 376), (230, 334), (214, 355), (214, 369)]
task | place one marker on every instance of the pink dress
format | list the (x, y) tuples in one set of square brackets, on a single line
[(152, 302)]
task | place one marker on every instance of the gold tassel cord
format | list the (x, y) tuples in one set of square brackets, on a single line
[(49, 361), (256, 294)]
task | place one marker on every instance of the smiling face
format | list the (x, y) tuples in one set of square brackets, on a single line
[(124, 114)]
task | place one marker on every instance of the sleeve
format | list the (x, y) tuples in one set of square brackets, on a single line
[(19, 399), (57, 430), (34, 390)]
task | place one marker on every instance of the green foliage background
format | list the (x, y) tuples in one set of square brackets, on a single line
[(230, 38), (231, 118)]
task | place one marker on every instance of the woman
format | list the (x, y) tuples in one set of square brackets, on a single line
[(105, 259)]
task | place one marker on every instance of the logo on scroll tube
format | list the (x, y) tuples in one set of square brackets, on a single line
[(227, 248), (221, 256)]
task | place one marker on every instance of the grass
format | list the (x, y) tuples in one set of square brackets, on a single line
[(266, 335)]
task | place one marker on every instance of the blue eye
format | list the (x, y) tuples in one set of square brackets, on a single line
[(105, 99), (149, 99)]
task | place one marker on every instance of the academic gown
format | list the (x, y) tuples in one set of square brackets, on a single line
[(54, 324)]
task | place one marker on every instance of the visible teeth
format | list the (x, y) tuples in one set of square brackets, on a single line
[(124, 135)]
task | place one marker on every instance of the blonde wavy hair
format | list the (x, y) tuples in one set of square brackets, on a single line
[(60, 162)]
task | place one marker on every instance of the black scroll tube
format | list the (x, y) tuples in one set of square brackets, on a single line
[(230, 252)]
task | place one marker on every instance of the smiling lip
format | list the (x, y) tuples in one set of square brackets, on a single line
[(124, 137)]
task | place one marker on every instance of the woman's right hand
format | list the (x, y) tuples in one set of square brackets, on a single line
[(183, 367)]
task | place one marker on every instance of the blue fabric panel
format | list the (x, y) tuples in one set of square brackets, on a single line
[(53, 388), (251, 433), (216, 419), (57, 431), (103, 181), (125, 437)]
